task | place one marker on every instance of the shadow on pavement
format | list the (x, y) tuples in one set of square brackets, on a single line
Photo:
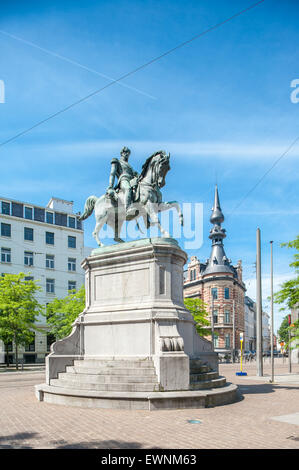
[(97, 445), (19, 441), (247, 389), (15, 441)]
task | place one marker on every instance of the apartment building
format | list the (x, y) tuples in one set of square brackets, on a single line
[(47, 244)]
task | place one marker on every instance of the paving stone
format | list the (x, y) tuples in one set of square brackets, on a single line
[(246, 424)]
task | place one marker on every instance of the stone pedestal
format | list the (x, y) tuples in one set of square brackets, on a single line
[(134, 319)]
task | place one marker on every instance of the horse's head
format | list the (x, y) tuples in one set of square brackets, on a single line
[(163, 167), (155, 168)]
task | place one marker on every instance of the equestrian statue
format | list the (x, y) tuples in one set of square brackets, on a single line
[(135, 195)]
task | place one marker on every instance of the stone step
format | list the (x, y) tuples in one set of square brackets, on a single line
[(78, 369), (198, 364), (203, 377), (111, 363), (97, 378), (107, 387), (215, 383), (199, 369)]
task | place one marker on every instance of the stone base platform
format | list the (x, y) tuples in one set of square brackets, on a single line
[(132, 384), (137, 400), (135, 345)]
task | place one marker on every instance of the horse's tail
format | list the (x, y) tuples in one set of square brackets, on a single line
[(88, 208)]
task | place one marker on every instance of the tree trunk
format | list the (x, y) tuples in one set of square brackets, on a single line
[(7, 356), (17, 365)]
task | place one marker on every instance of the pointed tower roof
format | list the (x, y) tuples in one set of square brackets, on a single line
[(217, 216), (218, 262)]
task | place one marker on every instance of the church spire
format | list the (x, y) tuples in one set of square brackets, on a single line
[(218, 261)]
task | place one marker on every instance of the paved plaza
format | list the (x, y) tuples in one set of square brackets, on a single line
[(267, 416)]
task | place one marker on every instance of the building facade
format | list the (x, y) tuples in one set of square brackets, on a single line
[(250, 324), (47, 244), (219, 284)]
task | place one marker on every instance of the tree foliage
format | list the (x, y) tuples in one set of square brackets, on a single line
[(288, 295), (289, 292), (19, 310), (283, 331), (61, 313), (197, 308)]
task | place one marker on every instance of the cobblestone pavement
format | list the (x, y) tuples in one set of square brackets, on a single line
[(247, 424)]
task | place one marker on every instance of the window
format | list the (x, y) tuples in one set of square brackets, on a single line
[(30, 346), (50, 286), (39, 214), (28, 258), (17, 209), (5, 255), (216, 341), (214, 292), (28, 278), (72, 222), (28, 234), (72, 285), (71, 242), (50, 238), (227, 340), (49, 217), (50, 261), (60, 219), (226, 292), (227, 316), (215, 316), (28, 213), (5, 230), (5, 208), (71, 264)]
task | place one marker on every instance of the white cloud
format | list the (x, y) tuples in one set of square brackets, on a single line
[(221, 150)]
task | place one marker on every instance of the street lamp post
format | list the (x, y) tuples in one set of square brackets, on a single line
[(259, 331), (272, 316)]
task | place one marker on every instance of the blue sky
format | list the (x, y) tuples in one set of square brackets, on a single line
[(221, 105)]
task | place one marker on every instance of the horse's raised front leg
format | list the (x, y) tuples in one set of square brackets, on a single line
[(154, 219), (164, 206)]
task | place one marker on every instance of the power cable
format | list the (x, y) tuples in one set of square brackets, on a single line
[(137, 69), (264, 175), (73, 62)]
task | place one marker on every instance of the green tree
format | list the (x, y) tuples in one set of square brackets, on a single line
[(283, 331), (61, 313), (289, 292), (288, 295), (197, 308), (19, 310)]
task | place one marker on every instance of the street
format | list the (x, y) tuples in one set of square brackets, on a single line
[(251, 423)]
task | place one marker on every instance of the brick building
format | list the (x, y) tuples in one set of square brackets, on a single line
[(219, 284)]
